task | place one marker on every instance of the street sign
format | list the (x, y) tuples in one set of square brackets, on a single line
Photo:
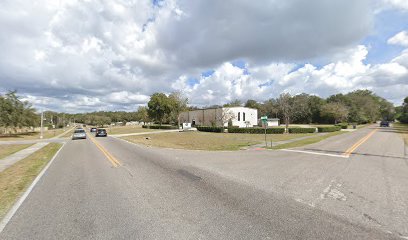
[(264, 118)]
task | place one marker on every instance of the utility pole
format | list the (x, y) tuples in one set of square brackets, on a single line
[(41, 128)]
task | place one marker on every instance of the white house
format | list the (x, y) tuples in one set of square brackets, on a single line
[(239, 116)]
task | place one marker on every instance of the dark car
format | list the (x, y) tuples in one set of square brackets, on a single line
[(79, 134), (384, 124), (93, 130), (101, 133)]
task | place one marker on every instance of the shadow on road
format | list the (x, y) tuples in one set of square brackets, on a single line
[(355, 153)]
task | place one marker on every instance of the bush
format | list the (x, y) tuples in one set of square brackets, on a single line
[(160, 127), (257, 130), (342, 125), (301, 130), (328, 129), (210, 129)]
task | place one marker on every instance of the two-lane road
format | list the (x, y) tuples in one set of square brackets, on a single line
[(171, 194)]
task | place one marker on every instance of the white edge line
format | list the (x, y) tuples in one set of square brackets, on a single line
[(21, 200), (315, 153)]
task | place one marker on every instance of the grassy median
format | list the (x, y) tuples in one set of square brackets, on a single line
[(319, 137), (8, 149), (208, 141), (16, 179)]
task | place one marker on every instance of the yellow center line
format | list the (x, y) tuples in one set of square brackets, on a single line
[(349, 151), (108, 155)]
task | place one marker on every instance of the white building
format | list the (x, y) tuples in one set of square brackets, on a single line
[(273, 122), (239, 116)]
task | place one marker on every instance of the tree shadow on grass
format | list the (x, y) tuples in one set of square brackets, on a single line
[(17, 135)]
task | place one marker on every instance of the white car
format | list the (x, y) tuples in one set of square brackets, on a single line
[(79, 134)]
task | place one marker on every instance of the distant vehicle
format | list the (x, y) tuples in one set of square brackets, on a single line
[(384, 124), (93, 130), (79, 134), (101, 133)]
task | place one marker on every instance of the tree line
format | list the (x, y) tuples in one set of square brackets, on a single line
[(360, 106), (15, 113)]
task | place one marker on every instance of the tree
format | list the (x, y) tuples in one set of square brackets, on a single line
[(178, 104), (403, 115), (335, 111), (158, 107), (234, 103), (285, 105), (252, 104), (302, 112), (315, 105), (225, 116), (142, 115), (16, 113)]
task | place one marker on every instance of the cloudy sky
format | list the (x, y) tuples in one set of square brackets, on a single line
[(87, 55)]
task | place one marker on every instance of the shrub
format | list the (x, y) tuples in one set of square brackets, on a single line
[(160, 127), (210, 129), (342, 125), (257, 130), (301, 130), (328, 129)]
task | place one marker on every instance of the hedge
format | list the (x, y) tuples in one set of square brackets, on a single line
[(257, 130), (342, 125), (328, 129), (301, 130), (210, 129), (160, 127)]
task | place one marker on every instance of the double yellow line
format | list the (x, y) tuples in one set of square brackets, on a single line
[(349, 151), (109, 156)]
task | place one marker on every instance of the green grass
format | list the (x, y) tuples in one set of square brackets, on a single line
[(128, 129), (8, 149), (319, 137), (208, 141), (16, 179)]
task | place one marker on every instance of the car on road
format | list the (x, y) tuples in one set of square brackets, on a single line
[(101, 133), (93, 130), (384, 124), (79, 134)]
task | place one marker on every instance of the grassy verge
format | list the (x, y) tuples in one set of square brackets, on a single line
[(319, 137), (207, 141), (128, 129), (402, 129), (8, 149), (30, 135), (15, 179)]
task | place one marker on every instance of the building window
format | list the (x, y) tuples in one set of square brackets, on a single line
[(243, 116), (239, 116)]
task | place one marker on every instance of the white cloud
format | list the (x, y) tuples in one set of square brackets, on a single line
[(349, 73), (112, 54), (400, 38), (400, 4)]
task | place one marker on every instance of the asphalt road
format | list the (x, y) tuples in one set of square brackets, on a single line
[(173, 194)]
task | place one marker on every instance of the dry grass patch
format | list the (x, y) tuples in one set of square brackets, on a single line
[(15, 179), (8, 149), (207, 141), (402, 129)]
